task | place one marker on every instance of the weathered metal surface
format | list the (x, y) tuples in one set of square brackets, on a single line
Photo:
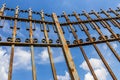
[(111, 31), (11, 63), (81, 48), (49, 49), (114, 22), (100, 33), (98, 51), (105, 22), (31, 46), (21, 44), (12, 47), (62, 24), (66, 51)]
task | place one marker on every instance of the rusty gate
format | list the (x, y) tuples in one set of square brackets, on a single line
[(58, 28)]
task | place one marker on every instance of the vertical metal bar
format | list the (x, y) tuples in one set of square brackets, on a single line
[(96, 48), (115, 12), (112, 20), (11, 63), (105, 24), (31, 46), (81, 48), (70, 64), (98, 30), (12, 47), (49, 48)]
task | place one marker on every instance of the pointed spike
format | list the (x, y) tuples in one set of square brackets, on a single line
[(4, 5), (42, 11)]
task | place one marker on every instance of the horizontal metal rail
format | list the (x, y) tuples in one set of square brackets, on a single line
[(54, 45), (62, 24)]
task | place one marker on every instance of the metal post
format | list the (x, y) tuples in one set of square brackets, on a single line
[(70, 64), (31, 46), (81, 48), (49, 48), (96, 48), (12, 47)]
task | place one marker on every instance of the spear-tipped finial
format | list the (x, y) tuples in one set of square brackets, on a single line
[(63, 12), (17, 10), (42, 11), (4, 5), (30, 9), (17, 7)]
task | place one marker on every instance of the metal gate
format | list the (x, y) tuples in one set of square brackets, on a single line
[(58, 28)]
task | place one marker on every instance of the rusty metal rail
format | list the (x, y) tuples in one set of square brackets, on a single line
[(62, 42)]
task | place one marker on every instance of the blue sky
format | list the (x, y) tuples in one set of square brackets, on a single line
[(65, 5), (22, 63)]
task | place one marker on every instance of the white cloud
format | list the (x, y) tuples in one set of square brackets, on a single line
[(44, 57), (101, 73), (4, 62), (59, 58), (88, 76), (96, 63), (98, 67), (64, 77), (22, 59)]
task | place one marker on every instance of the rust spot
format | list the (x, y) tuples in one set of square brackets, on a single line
[(72, 70)]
